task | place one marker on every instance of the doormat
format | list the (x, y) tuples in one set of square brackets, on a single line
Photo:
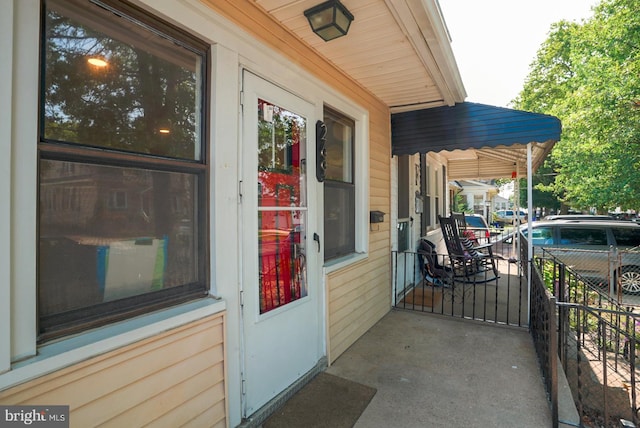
[(424, 296), (327, 401)]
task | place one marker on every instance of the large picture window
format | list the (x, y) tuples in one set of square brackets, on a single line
[(339, 186), (122, 171)]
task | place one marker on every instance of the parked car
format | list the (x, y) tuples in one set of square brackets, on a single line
[(585, 217), (478, 225), (504, 217), (585, 246)]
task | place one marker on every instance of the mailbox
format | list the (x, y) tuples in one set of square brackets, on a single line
[(376, 217)]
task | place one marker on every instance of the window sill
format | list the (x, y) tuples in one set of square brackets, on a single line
[(344, 261), (69, 351)]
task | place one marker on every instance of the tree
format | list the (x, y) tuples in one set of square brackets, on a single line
[(588, 75), (543, 191)]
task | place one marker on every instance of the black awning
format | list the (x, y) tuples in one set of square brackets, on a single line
[(469, 126)]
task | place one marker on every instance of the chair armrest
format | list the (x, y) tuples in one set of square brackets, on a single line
[(483, 246)]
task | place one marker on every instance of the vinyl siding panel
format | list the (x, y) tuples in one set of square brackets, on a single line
[(360, 295), (171, 379)]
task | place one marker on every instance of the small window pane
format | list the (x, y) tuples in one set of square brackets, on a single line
[(540, 235), (626, 236), (119, 86), (109, 233), (339, 147), (403, 235), (339, 219), (583, 236)]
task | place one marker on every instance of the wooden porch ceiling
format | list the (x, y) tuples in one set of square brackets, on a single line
[(398, 49), (495, 162)]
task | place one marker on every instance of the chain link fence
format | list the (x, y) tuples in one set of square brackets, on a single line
[(614, 273), (597, 333)]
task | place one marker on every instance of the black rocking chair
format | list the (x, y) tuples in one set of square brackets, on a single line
[(472, 263), (433, 272)]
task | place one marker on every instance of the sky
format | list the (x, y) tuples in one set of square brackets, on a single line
[(495, 41)]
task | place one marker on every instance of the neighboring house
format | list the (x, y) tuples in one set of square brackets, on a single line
[(174, 248), (501, 203), (478, 195)]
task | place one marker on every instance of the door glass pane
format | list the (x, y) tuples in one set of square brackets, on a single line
[(281, 256), (281, 184)]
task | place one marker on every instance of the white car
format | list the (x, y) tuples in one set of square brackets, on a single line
[(509, 216)]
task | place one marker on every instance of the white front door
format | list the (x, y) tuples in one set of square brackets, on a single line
[(281, 310)]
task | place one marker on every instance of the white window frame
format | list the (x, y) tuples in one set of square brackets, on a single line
[(23, 216), (7, 20), (360, 177)]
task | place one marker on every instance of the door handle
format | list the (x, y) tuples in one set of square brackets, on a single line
[(316, 238)]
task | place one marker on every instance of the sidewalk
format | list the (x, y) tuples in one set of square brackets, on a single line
[(434, 371)]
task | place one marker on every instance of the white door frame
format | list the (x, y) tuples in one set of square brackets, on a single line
[(279, 346)]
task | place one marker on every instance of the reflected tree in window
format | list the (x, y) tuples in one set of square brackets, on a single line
[(119, 91)]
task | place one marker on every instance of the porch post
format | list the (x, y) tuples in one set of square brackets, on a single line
[(530, 220)]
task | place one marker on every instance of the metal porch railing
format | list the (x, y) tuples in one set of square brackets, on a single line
[(481, 297), (581, 332), (594, 339)]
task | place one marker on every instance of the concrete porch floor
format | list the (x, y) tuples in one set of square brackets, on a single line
[(436, 371)]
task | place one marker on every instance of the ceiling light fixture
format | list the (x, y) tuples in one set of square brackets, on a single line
[(98, 62), (329, 20)]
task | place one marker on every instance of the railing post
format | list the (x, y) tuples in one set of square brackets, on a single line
[(553, 361), (563, 312), (632, 359), (561, 287), (605, 384), (394, 276), (613, 263)]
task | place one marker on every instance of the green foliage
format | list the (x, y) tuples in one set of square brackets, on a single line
[(460, 204), (588, 75)]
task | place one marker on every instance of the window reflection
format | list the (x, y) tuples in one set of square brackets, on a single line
[(339, 186), (281, 183), (282, 258), (108, 233), (280, 134), (118, 87)]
